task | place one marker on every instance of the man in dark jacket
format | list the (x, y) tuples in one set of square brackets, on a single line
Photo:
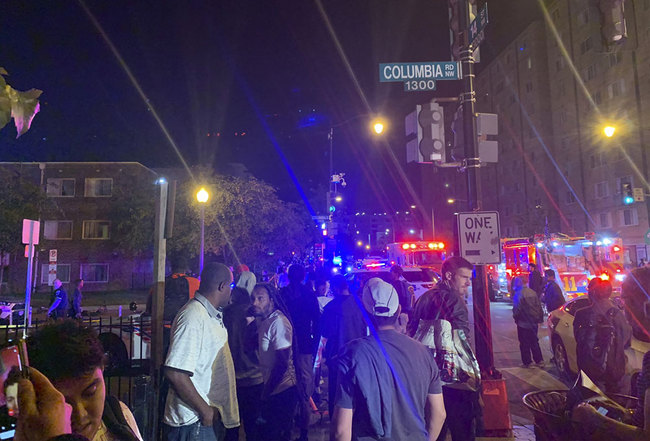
[(535, 280), (447, 301), (527, 312), (305, 318), (553, 297)]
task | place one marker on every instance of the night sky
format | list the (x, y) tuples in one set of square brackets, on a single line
[(244, 81)]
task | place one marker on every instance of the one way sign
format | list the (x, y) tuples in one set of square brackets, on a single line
[(479, 237)]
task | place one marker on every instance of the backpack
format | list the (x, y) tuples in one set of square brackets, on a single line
[(600, 354), (177, 293)]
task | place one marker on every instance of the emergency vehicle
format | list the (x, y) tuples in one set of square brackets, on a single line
[(426, 254), (576, 260)]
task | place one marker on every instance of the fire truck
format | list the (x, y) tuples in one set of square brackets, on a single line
[(576, 260), (425, 254)]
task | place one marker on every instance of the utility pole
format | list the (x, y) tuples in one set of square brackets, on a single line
[(157, 305), (471, 165)]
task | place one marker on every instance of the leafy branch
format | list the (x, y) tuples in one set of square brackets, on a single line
[(21, 106)]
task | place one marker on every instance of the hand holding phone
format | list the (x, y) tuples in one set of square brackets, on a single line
[(44, 413)]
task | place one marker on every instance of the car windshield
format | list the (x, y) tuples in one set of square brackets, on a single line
[(419, 276)]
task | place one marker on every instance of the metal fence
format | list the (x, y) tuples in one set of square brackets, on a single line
[(127, 349)]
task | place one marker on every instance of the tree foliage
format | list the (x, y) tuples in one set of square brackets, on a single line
[(20, 199), (245, 221), (21, 106)]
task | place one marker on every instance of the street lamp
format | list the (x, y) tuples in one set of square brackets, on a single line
[(202, 196), (609, 131)]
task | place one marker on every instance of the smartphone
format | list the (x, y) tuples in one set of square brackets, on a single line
[(13, 364)]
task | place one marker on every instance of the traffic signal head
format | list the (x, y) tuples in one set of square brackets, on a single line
[(628, 196), (431, 132)]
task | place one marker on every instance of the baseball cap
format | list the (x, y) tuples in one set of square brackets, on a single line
[(380, 298)]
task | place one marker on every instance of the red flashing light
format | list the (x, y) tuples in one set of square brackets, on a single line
[(604, 276), (616, 248), (441, 245), (392, 262), (433, 245), (412, 246), (405, 246)]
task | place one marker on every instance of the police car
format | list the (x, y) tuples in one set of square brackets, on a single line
[(421, 279)]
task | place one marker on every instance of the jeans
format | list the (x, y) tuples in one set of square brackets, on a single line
[(528, 343), (196, 432)]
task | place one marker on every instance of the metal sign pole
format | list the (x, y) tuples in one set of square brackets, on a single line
[(482, 321), (28, 286)]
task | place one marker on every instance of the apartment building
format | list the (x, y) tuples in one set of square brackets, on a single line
[(555, 87), (594, 83), (521, 186), (76, 221)]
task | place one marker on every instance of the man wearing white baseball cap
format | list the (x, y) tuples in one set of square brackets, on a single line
[(388, 384)]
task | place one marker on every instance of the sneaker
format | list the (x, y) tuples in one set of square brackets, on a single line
[(525, 365), (540, 364)]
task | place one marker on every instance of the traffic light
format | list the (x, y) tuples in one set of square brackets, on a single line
[(628, 196), (431, 132), (457, 129)]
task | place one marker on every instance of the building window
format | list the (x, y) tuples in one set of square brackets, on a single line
[(615, 58), (62, 273), (529, 86), (597, 159), (591, 72), (586, 46), (94, 272), (57, 230), (629, 217), (623, 180), (597, 98), (601, 189), (98, 187), (616, 89), (570, 198), (605, 220), (96, 229), (60, 187)]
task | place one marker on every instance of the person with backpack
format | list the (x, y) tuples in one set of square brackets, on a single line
[(602, 333), (527, 312)]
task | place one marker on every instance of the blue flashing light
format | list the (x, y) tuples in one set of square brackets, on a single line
[(607, 241), (336, 260), (335, 270), (627, 200), (323, 226), (348, 269)]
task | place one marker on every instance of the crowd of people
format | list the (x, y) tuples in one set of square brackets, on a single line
[(248, 356)]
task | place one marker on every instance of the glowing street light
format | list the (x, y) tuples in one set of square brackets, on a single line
[(451, 200), (338, 198), (359, 243), (202, 196), (378, 127), (609, 131)]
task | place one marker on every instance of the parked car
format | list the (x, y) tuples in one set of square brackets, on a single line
[(422, 279), (563, 344)]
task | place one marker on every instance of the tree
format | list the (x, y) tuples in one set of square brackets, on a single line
[(245, 221), (20, 199), (21, 106)]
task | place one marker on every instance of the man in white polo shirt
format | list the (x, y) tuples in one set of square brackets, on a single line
[(202, 399)]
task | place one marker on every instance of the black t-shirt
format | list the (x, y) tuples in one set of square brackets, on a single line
[(342, 321), (415, 376), (304, 314)]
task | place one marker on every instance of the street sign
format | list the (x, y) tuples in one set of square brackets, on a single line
[(425, 70), (639, 194), (31, 229), (51, 270), (477, 26), (479, 237), (419, 85)]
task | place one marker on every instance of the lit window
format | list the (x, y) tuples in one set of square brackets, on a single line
[(98, 187), (96, 229)]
